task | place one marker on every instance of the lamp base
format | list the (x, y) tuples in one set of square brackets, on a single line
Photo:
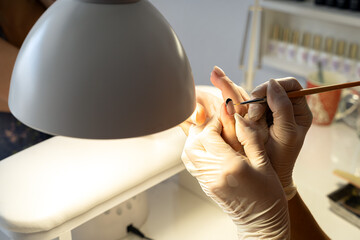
[(112, 224)]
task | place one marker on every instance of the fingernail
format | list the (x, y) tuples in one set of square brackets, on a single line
[(218, 71), (230, 106), (254, 112)]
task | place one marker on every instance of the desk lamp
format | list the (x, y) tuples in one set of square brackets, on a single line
[(102, 69)]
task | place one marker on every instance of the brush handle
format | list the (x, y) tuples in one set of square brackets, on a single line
[(308, 91), (321, 89)]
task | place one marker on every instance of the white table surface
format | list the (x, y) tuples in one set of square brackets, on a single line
[(182, 213), (177, 213), (327, 148)]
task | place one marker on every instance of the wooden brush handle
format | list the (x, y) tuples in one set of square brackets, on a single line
[(321, 89)]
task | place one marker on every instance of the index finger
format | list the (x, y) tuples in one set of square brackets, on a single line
[(229, 90), (289, 84)]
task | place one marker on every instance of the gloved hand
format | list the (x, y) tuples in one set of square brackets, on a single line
[(284, 137), (245, 187), (207, 105), (291, 121)]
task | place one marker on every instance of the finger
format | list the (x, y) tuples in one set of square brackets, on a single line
[(195, 130), (192, 143), (300, 107), (280, 105), (212, 141), (252, 142), (208, 100), (200, 115), (185, 126), (228, 125), (256, 111), (302, 113), (229, 89), (284, 127), (187, 162)]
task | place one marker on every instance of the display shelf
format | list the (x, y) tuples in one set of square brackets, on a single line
[(287, 66), (310, 10)]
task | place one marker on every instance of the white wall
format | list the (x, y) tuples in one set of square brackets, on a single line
[(211, 32)]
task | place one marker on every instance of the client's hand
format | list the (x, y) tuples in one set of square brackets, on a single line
[(233, 95), (245, 187), (207, 105)]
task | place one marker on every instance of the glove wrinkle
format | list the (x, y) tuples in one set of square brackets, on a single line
[(246, 188)]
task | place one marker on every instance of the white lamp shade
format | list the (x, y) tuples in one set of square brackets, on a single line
[(102, 71)]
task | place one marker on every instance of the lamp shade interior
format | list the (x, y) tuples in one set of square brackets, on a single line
[(102, 71)]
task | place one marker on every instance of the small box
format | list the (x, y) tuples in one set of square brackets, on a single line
[(346, 203)]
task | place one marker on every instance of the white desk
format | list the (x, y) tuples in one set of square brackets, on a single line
[(178, 209), (325, 149)]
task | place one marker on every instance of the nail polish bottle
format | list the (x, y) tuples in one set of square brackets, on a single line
[(282, 46), (314, 52), (327, 53), (337, 60), (274, 40), (303, 49), (350, 61), (292, 46)]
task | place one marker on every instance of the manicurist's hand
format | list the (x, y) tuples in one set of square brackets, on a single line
[(245, 186), (291, 121)]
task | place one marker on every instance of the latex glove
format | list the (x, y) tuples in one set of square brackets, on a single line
[(207, 105), (291, 121), (246, 188)]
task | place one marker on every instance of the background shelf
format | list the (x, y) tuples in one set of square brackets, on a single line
[(284, 65), (309, 9)]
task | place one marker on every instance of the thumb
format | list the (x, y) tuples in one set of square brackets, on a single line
[(250, 138)]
